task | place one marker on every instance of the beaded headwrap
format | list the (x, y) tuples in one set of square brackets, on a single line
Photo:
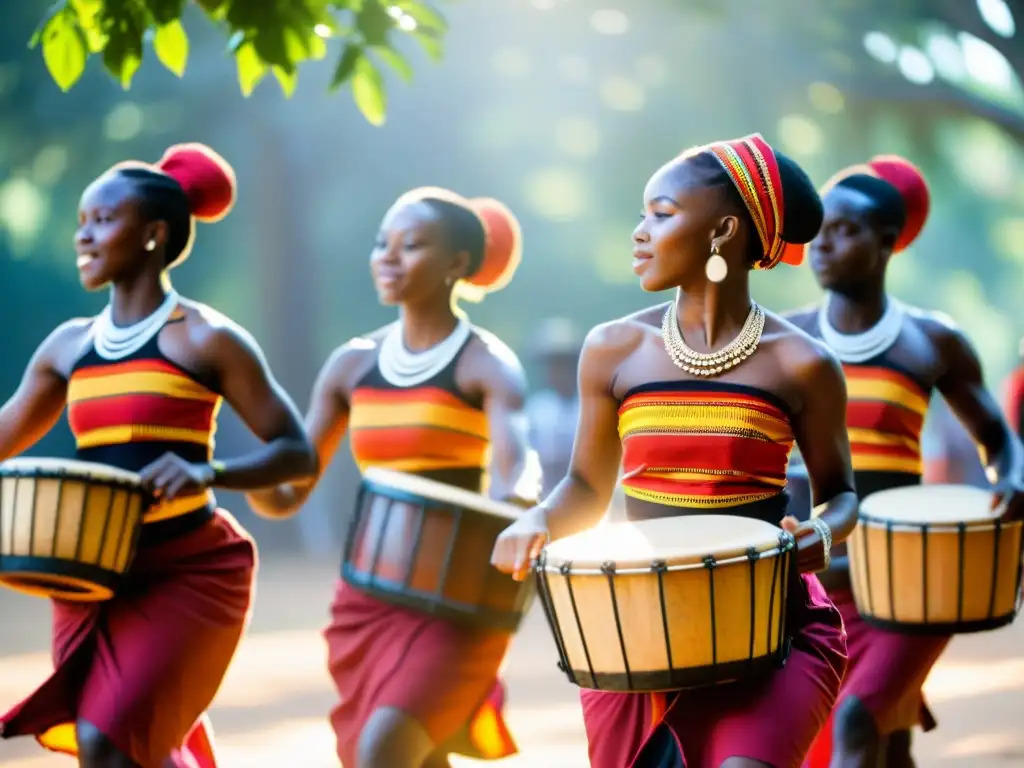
[(908, 181), (753, 168)]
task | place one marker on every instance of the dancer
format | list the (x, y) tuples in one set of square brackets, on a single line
[(894, 357), (143, 382), (435, 396), (665, 382)]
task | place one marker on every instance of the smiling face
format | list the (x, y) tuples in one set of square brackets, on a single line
[(851, 250), (412, 260), (111, 232), (683, 217)]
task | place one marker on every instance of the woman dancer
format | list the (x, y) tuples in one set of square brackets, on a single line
[(143, 382), (893, 357), (729, 415), (431, 395)]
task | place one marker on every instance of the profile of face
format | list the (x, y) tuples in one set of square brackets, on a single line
[(412, 260), (682, 219), (112, 232), (850, 249)]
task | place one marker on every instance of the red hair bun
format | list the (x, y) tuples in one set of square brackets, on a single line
[(503, 251), (207, 178), (913, 188)]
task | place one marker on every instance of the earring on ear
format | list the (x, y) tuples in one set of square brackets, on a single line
[(448, 282), (715, 267), (151, 245)]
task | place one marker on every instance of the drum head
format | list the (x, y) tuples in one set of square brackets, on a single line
[(675, 540), (449, 494), (930, 504), (26, 466)]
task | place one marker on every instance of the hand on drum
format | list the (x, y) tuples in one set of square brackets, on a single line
[(520, 544), (171, 476), (1009, 494), (810, 549)]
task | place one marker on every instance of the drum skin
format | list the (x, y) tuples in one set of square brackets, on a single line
[(68, 529), (669, 603), (427, 546), (935, 559)]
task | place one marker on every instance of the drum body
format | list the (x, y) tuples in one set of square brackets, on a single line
[(68, 529), (933, 559), (427, 546), (669, 603)]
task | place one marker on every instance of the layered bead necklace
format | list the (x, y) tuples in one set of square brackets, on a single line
[(113, 342), (858, 347), (711, 363), (402, 368)]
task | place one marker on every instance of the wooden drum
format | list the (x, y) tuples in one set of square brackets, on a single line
[(68, 529), (934, 559), (670, 603), (427, 546)]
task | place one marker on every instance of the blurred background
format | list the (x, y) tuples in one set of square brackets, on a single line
[(562, 109)]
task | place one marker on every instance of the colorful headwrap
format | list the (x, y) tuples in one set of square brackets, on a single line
[(753, 168), (908, 181)]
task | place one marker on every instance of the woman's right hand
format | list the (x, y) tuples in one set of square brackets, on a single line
[(520, 544)]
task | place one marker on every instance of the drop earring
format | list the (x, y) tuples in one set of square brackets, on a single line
[(715, 267), (151, 245), (448, 282)]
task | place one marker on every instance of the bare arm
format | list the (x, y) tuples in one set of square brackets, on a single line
[(962, 384), (820, 431), (326, 423), (40, 398)]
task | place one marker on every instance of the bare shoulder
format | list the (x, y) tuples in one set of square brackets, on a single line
[(623, 335), (937, 326), (495, 363), (65, 344), (213, 332), (804, 358)]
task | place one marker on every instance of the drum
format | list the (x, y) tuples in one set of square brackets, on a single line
[(427, 546), (934, 559), (669, 603), (68, 529)]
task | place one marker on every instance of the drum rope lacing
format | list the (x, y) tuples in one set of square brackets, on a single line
[(858, 347), (402, 368), (711, 363), (113, 342)]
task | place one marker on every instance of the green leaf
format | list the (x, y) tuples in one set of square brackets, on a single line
[(250, 68), (171, 46), (395, 60), (53, 10), (423, 14), (287, 80), (270, 46), (123, 55), (374, 23), (430, 42), (64, 49), (368, 91), (317, 48), (346, 66)]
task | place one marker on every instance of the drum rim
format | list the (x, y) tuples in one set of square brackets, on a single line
[(26, 467), (906, 526), (381, 481), (909, 491)]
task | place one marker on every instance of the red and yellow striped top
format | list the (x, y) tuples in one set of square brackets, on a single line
[(703, 445), (130, 412), (885, 415)]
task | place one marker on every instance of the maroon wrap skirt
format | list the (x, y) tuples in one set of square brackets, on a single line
[(773, 720), (443, 675), (144, 666)]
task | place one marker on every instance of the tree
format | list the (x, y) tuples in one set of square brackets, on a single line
[(263, 36)]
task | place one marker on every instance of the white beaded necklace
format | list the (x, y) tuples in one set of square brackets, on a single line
[(858, 347), (113, 342), (402, 368)]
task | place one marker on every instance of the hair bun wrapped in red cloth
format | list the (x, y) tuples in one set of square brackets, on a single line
[(207, 178), (913, 188), (503, 251)]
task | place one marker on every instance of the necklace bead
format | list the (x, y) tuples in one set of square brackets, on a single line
[(711, 363)]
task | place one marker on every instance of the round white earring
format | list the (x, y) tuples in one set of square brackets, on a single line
[(715, 267), (151, 245)]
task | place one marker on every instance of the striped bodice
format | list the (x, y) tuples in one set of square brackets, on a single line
[(885, 416), (431, 429), (128, 413), (704, 445)]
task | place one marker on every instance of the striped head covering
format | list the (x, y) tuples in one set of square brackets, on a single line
[(908, 181), (754, 169)]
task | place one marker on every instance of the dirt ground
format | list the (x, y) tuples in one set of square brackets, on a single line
[(271, 710)]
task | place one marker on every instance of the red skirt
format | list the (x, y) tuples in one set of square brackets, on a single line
[(443, 675), (773, 720), (886, 673), (144, 666)]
